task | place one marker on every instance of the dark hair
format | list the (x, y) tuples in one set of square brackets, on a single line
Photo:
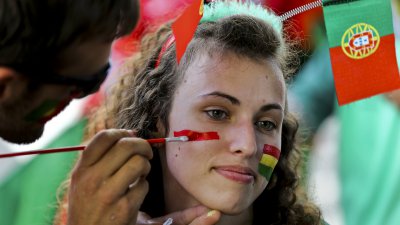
[(33, 29), (145, 94)]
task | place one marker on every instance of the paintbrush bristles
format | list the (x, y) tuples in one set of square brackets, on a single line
[(177, 139)]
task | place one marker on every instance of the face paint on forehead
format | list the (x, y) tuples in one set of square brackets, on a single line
[(197, 136), (268, 161)]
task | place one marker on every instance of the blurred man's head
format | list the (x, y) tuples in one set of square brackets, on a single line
[(51, 52)]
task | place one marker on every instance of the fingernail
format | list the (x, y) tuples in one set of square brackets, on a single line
[(132, 133), (211, 213)]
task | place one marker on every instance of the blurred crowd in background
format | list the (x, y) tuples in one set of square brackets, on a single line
[(352, 170)]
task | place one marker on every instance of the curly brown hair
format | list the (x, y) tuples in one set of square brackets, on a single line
[(145, 92)]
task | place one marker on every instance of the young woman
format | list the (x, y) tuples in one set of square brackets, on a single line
[(229, 88)]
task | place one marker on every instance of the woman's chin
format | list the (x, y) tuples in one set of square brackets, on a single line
[(229, 208)]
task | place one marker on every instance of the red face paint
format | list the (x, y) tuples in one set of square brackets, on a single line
[(197, 136), (271, 150)]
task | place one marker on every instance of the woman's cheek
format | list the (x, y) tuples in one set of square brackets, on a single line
[(268, 161)]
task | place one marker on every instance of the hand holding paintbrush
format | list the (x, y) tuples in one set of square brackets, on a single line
[(180, 136), (111, 175), (82, 147), (101, 182)]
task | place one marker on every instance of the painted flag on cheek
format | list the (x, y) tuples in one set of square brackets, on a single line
[(185, 26), (362, 51), (268, 161)]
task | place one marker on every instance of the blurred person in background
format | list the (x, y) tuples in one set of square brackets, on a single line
[(52, 52)]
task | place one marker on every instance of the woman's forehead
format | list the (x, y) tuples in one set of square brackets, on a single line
[(232, 72), (215, 64)]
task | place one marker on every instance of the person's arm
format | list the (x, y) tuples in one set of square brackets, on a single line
[(108, 184)]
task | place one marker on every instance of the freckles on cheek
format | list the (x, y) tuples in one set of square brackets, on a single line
[(179, 150), (194, 136), (268, 161)]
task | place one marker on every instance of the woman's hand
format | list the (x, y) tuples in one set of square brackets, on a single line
[(108, 184), (198, 215)]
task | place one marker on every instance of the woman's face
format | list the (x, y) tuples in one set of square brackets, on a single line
[(241, 99)]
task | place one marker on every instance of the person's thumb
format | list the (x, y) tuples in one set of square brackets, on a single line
[(209, 218)]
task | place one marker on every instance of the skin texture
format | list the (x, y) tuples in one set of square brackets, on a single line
[(108, 185), (101, 192), (201, 99), (18, 98)]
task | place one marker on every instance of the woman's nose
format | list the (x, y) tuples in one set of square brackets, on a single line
[(243, 139)]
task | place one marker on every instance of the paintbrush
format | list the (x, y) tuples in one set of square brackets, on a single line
[(82, 147)]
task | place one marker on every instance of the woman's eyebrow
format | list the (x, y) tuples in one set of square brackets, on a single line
[(232, 99), (271, 106)]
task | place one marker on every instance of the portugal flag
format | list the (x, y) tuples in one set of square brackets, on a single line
[(361, 41)]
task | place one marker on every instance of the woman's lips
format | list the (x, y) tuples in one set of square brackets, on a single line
[(236, 173)]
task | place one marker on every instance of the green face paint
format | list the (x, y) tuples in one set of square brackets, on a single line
[(47, 110)]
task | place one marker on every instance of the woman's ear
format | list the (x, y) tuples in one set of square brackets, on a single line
[(161, 132)]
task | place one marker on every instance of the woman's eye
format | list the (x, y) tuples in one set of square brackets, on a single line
[(217, 114), (266, 125)]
